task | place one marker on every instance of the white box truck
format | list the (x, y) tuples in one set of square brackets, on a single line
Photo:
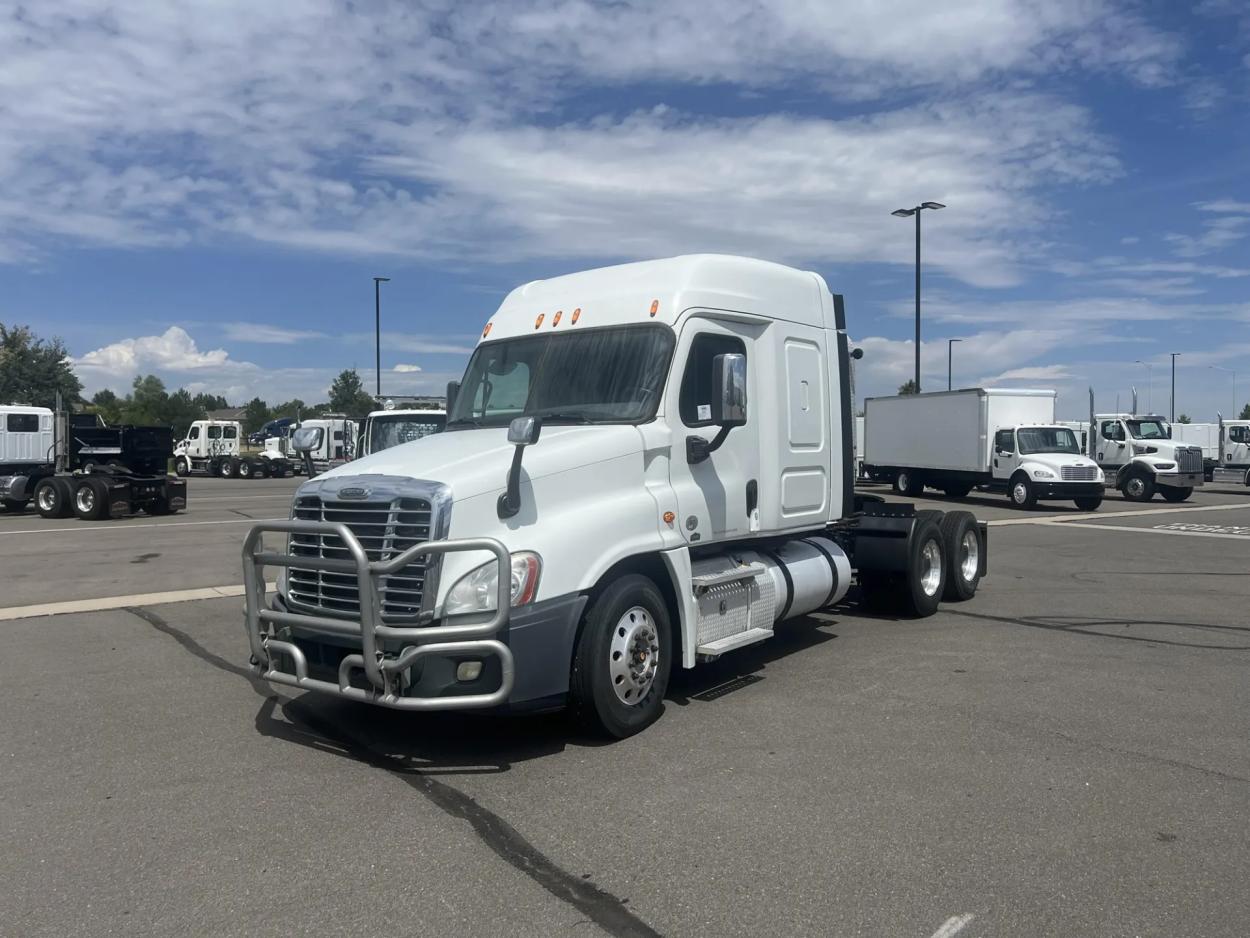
[(1001, 439), (644, 467)]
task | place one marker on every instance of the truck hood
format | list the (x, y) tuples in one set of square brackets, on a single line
[(1059, 460), (474, 462)]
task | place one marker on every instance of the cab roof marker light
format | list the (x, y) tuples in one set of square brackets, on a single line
[(577, 314), (486, 331), (539, 321), (555, 320), (655, 308)]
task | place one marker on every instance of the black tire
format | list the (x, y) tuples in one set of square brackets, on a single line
[(1138, 487), (925, 580), (1021, 492), (52, 498), (907, 482), (91, 499), (228, 468), (961, 539), (1088, 502), (957, 491), (182, 466), (1173, 494), (593, 695), (261, 469), (245, 469)]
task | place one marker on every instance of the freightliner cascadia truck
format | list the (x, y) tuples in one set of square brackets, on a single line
[(644, 467)]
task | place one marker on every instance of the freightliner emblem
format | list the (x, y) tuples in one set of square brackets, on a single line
[(354, 492)]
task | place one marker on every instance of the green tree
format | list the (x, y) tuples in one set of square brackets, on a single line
[(254, 415), (292, 408), (908, 388), (1245, 413), (348, 396), (207, 402), (1183, 418), (148, 402), (180, 410), (32, 370), (108, 405)]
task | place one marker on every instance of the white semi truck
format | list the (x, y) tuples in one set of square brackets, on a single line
[(644, 467), (1000, 439), (333, 441), (1139, 457), (212, 447), (392, 426), (1233, 466)]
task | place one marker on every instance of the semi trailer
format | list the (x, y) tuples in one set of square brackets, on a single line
[(999, 439), (91, 471), (644, 467), (212, 447)]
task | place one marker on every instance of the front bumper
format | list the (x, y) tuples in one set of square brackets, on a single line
[(1180, 480), (1064, 490)]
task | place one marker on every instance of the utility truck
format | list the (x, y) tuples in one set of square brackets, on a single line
[(1233, 466), (393, 425), (92, 471), (1000, 439), (1139, 457), (212, 447), (644, 467)]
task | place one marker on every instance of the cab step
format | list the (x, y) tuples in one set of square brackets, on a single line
[(730, 642)]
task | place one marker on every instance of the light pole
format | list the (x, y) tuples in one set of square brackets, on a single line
[(949, 345), (377, 329), (1150, 370), (906, 213), (1234, 374), (1172, 418)]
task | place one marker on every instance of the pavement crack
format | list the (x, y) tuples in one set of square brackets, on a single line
[(1080, 625), (604, 909)]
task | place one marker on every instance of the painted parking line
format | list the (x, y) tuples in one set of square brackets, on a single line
[(122, 602), (1099, 515), (953, 926), (116, 526), (1166, 529)]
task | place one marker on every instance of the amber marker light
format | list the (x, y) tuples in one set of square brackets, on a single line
[(555, 320), (577, 314), (655, 308), (539, 321), (669, 517), (486, 331)]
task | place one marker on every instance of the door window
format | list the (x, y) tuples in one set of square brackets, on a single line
[(214, 433), (697, 382), (1112, 430), (1239, 434), (230, 433), (1003, 442), (195, 433)]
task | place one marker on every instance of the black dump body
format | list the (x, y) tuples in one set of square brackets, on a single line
[(142, 450)]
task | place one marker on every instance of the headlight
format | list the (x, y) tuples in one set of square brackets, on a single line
[(477, 590), (1144, 450), (1165, 465), (1043, 474)]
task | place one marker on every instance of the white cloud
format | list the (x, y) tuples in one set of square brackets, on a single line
[(174, 350), (1032, 373), (406, 369), (264, 334)]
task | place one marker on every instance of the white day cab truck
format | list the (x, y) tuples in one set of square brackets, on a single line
[(1000, 439), (88, 470), (212, 447), (393, 425), (644, 467), (1139, 457), (1233, 467)]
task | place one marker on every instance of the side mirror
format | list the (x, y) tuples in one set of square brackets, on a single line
[(306, 439), (729, 403), (453, 391), (524, 431)]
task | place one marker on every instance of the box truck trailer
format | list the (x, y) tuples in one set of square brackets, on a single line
[(644, 467), (1000, 439)]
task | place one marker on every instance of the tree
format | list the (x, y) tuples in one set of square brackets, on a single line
[(292, 408), (32, 370), (908, 388), (255, 414), (180, 410), (348, 396), (1245, 413), (207, 402), (148, 402), (108, 405), (1183, 418)]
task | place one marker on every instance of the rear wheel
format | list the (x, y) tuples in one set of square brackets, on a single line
[(228, 468), (245, 469), (1088, 502), (925, 579), (91, 499), (1138, 487), (622, 660), (52, 498), (961, 538), (1022, 494), (907, 483), (1173, 494)]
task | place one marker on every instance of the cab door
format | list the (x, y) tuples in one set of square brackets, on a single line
[(1237, 449), (1113, 449), (1005, 458), (718, 497)]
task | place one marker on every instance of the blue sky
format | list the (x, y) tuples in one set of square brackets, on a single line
[(204, 191)]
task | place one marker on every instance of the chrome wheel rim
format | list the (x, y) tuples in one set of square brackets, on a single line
[(969, 555), (1135, 487), (634, 655), (84, 498), (244, 470), (46, 499), (930, 567), (1020, 493), (904, 481)]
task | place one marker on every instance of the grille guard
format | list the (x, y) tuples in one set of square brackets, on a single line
[(384, 672)]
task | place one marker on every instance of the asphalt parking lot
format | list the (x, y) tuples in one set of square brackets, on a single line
[(1066, 754)]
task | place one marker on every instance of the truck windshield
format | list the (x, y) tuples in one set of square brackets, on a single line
[(392, 429), (1047, 440), (610, 375), (1149, 429)]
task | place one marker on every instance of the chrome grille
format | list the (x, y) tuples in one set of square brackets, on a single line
[(1078, 473), (1189, 459), (384, 529)]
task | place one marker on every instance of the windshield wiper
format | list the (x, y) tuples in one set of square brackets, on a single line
[(463, 422)]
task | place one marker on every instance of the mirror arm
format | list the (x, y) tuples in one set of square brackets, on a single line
[(698, 449), (510, 500)]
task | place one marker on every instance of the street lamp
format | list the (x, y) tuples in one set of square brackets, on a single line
[(949, 344), (1234, 374), (906, 213), (1150, 370), (377, 329), (1173, 417)]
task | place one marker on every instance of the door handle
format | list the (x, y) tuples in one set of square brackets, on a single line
[(753, 497)]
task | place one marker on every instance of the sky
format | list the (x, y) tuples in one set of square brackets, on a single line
[(204, 191)]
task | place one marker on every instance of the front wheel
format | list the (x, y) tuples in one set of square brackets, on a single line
[(1088, 502), (1022, 493), (622, 660), (1172, 494), (182, 466), (1138, 487)]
